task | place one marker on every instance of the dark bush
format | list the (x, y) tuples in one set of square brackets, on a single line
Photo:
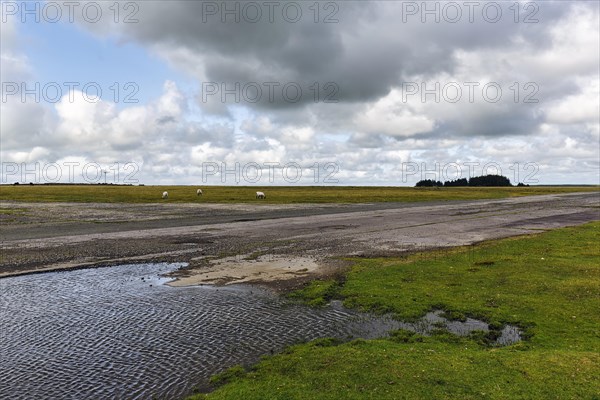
[(428, 183), (489, 180)]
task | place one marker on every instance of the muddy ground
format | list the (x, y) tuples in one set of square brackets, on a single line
[(277, 245)]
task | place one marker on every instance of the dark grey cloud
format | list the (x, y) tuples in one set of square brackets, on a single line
[(370, 50)]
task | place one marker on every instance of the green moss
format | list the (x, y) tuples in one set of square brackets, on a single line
[(317, 293), (405, 336)]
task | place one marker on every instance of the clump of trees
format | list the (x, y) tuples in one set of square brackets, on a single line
[(428, 183), (458, 182), (487, 180)]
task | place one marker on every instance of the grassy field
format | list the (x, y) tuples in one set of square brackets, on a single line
[(275, 195), (547, 284)]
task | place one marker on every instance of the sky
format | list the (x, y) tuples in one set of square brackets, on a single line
[(299, 92)]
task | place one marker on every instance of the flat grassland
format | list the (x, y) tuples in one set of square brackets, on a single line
[(547, 284), (275, 194)]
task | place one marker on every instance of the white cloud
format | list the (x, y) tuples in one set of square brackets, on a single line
[(583, 107), (393, 117)]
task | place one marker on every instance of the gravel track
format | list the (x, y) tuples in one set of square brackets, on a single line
[(37, 237)]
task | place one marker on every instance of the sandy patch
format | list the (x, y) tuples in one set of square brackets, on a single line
[(267, 268)]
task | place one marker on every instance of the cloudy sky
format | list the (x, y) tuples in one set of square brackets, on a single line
[(332, 92)]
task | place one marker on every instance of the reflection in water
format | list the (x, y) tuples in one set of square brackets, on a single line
[(118, 333)]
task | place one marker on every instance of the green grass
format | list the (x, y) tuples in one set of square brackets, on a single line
[(276, 195), (13, 211), (318, 293), (548, 284)]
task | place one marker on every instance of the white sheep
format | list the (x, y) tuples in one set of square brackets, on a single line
[(260, 195), (165, 195), (199, 192)]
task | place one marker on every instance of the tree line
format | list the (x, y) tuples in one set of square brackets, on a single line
[(486, 180)]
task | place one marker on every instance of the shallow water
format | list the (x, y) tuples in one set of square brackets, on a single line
[(118, 333)]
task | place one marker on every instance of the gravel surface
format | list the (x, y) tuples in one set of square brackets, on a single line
[(38, 237)]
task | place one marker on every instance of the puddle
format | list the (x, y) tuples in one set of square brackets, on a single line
[(121, 333), (434, 320)]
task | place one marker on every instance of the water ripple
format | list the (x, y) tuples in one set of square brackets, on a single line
[(118, 333)]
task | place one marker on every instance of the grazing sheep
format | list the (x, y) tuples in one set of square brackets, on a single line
[(199, 192), (260, 195), (165, 195)]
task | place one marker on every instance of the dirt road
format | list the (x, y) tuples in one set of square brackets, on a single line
[(264, 242)]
